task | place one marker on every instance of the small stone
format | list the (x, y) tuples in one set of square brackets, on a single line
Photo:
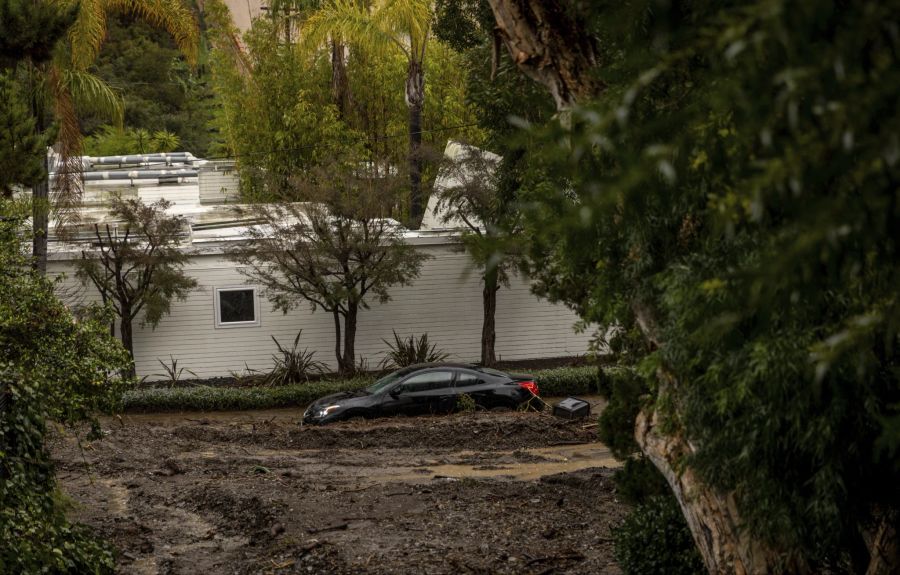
[(276, 529)]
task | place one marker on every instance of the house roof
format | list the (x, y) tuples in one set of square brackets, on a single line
[(212, 225)]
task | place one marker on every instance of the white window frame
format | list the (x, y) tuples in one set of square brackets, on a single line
[(230, 324)]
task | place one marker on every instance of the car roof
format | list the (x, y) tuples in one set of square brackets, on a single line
[(452, 365)]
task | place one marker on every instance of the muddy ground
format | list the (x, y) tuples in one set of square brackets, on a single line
[(253, 492)]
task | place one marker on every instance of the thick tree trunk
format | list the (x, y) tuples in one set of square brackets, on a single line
[(350, 339), (415, 100), (712, 516), (125, 330), (340, 83), (884, 553), (488, 326), (549, 44)]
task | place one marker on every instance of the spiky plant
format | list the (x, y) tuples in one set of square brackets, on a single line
[(293, 365), (411, 350)]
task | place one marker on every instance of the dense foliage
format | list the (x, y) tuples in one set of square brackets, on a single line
[(734, 188), (159, 90), (281, 116), (653, 540), (53, 368)]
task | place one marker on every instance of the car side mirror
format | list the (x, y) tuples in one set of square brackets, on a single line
[(396, 391)]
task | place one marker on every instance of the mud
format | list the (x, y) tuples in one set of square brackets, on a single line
[(256, 493)]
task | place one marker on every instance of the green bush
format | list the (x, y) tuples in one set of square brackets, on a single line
[(655, 538), (564, 381), (625, 389), (639, 480), (53, 368), (207, 398)]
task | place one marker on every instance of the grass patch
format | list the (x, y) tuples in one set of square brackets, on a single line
[(552, 382)]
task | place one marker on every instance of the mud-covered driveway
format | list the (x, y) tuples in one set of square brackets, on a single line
[(254, 492)]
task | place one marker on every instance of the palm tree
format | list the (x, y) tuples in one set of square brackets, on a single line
[(63, 87), (388, 25)]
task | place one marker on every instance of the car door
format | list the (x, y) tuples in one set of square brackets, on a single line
[(475, 386), (423, 392)]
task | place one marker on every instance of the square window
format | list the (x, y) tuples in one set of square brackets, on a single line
[(236, 307)]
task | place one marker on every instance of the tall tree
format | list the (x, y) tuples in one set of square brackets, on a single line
[(753, 240), (137, 266), (469, 193), (335, 253), (389, 25), (21, 147)]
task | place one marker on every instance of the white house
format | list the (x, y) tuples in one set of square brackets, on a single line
[(226, 324)]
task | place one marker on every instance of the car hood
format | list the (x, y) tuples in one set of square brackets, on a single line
[(344, 398)]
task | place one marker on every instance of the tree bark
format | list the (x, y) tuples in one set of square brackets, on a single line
[(337, 340), (125, 329), (350, 339), (415, 100), (488, 326), (712, 516), (550, 45), (340, 83), (884, 553)]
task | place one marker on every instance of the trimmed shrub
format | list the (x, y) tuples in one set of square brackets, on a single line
[(207, 398), (564, 381), (654, 539)]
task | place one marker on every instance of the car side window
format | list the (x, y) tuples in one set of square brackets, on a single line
[(464, 379), (428, 381)]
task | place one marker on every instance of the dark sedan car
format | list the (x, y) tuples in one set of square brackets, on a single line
[(426, 388)]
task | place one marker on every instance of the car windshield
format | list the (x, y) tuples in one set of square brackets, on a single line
[(386, 381)]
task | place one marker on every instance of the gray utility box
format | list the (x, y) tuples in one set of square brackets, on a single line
[(572, 408)]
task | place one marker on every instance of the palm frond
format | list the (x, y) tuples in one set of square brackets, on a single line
[(411, 18), (170, 15), (87, 33), (346, 19), (90, 93)]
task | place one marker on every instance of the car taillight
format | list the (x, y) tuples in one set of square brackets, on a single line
[(530, 386)]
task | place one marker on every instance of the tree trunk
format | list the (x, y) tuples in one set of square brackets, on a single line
[(127, 341), (711, 515), (40, 213), (488, 326), (415, 100), (884, 553), (350, 339), (337, 340), (551, 45), (340, 83)]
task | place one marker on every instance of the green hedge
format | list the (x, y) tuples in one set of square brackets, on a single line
[(207, 398), (564, 381), (552, 382)]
